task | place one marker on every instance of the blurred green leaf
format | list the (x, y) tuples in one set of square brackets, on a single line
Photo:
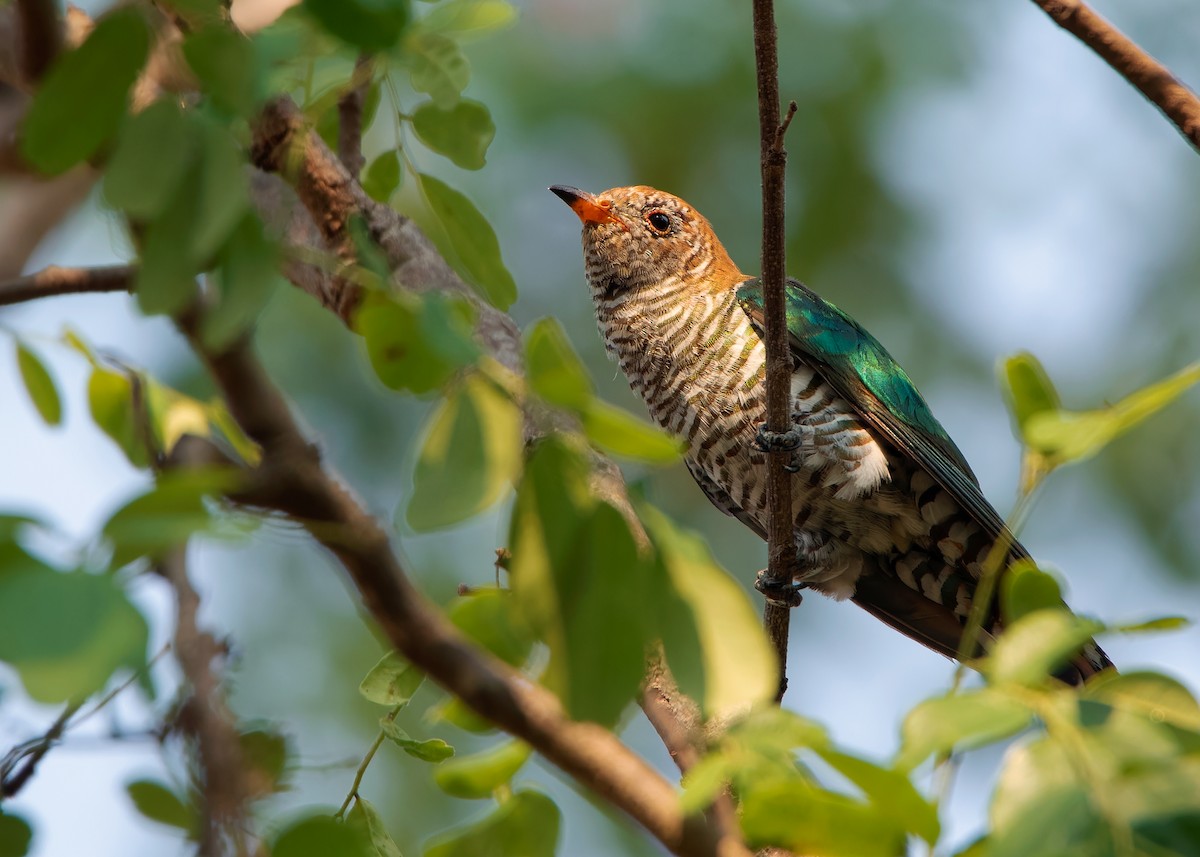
[(66, 633), (166, 276), (1027, 388), (167, 515), (392, 681), (15, 836), (367, 818), (455, 712), (800, 818), (462, 133), (430, 750), (227, 65), (1037, 644), (1153, 626), (469, 18), (1153, 695), (79, 105), (627, 436), (1025, 588), (416, 343), (371, 25), (197, 12), (480, 774), (157, 802), (961, 721), (711, 633), (437, 67), (39, 384), (890, 792), (1177, 834), (469, 457), (473, 241), (264, 761), (526, 824), (154, 152), (382, 176), (246, 276), (224, 196), (552, 367), (110, 399), (322, 836), (491, 619)]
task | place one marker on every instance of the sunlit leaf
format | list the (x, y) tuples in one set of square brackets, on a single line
[(157, 802), (1033, 647), (1025, 588), (469, 457), (1154, 626), (79, 105), (322, 836), (462, 133), (367, 818), (526, 824), (491, 619), (473, 241), (711, 633), (154, 152), (1156, 696), (552, 367), (961, 721), (392, 681), (1027, 388), (805, 820), (437, 67), (110, 399), (382, 176), (469, 18), (891, 793), (15, 836), (39, 384), (66, 633), (480, 774), (430, 750), (226, 63), (624, 435), (372, 25)]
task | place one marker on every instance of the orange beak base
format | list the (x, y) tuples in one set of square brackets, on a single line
[(586, 206)]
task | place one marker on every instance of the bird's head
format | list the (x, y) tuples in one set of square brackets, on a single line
[(640, 237)]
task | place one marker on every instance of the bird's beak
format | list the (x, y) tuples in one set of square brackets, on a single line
[(586, 206)]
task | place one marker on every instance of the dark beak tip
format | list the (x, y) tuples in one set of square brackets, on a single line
[(566, 193)]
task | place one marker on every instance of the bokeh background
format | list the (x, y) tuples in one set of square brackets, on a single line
[(964, 178)]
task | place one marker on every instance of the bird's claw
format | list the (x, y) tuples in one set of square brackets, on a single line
[(782, 593), (774, 441)]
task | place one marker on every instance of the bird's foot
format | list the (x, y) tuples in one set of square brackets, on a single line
[(773, 441), (783, 593)]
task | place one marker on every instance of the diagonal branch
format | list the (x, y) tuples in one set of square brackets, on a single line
[(66, 281), (1176, 101)]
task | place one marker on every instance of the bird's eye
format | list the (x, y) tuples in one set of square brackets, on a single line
[(659, 221)]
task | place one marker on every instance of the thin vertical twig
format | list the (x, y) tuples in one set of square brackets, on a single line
[(781, 549)]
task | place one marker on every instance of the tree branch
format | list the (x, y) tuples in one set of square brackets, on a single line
[(350, 118), (66, 281), (42, 36), (781, 545), (1176, 101)]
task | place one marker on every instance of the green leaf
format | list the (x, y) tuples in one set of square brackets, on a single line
[(416, 343), (154, 152), (1154, 626), (1067, 436), (1177, 834), (623, 434), (246, 276), (480, 774), (66, 633), (382, 176), (490, 618), (158, 803), (1027, 388), (462, 133), (1035, 645), (473, 241), (264, 759), (224, 197), (392, 681), (1156, 696), (455, 712), (890, 792), (962, 721), (469, 457), (367, 819), (1025, 588), (82, 99), (15, 836), (437, 67), (227, 65), (553, 369), (711, 634), (110, 399), (322, 836), (527, 824), (464, 19), (432, 750), (39, 384), (805, 820), (370, 25), (167, 515)]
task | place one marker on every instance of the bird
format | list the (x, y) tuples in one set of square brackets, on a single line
[(887, 512)]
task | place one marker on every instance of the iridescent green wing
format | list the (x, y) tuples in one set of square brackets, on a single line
[(853, 362)]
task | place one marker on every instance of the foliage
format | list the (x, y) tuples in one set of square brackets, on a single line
[(1112, 768)]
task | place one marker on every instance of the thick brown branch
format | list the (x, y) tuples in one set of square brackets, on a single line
[(781, 550), (1177, 102), (66, 281)]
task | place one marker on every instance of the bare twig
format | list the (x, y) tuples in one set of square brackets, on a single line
[(42, 36), (350, 117), (12, 778), (781, 545), (1176, 101), (66, 281)]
